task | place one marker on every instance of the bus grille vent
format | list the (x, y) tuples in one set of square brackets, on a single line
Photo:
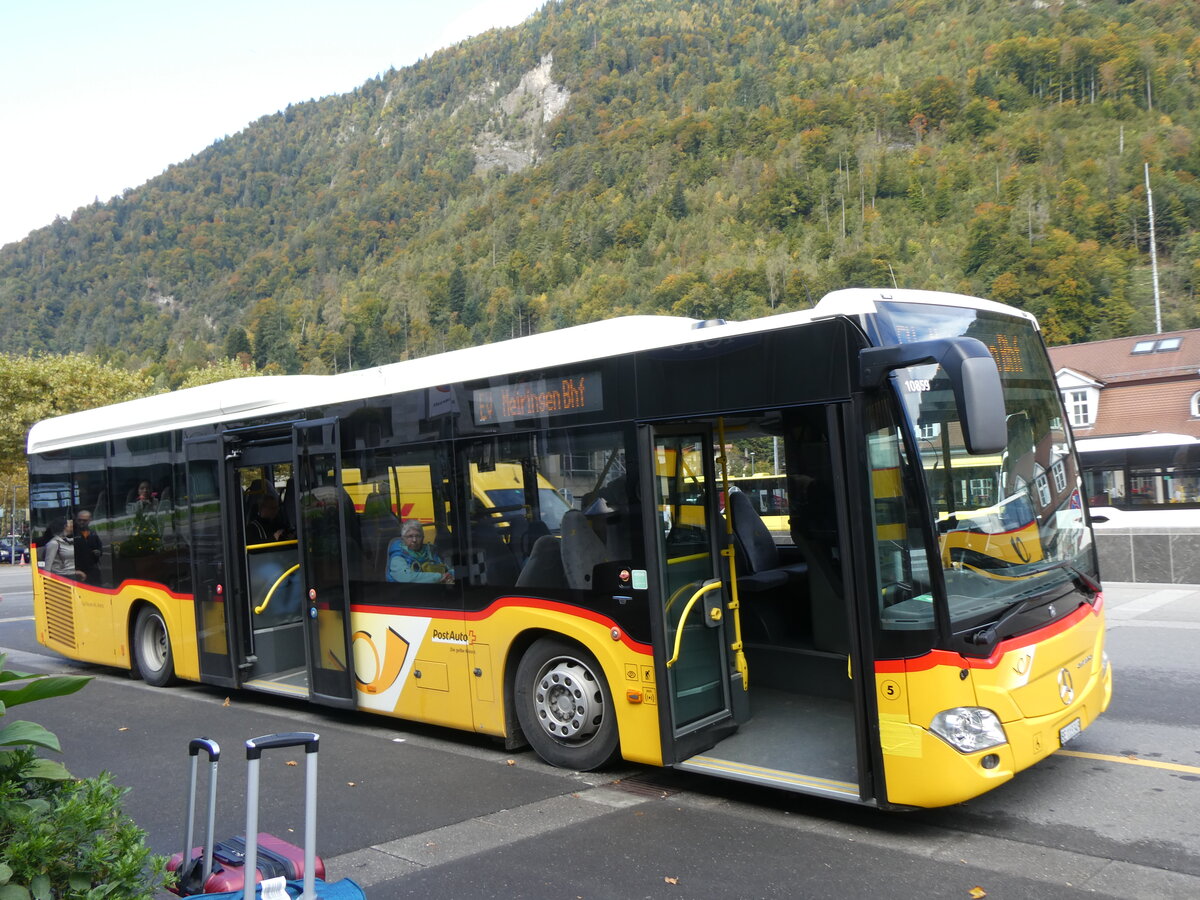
[(60, 613)]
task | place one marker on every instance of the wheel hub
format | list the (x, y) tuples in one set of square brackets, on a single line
[(154, 643), (568, 700)]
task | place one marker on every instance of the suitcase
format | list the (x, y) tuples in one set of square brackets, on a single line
[(220, 868), (192, 874)]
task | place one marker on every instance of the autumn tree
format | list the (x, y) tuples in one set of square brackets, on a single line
[(36, 387)]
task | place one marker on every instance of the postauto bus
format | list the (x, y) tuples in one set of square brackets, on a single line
[(620, 599)]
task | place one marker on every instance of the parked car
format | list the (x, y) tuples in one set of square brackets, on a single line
[(13, 550)]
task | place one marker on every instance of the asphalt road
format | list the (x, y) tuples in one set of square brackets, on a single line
[(414, 811)]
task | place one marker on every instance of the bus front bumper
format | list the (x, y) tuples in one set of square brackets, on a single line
[(922, 770)]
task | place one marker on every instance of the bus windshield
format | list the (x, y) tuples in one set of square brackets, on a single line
[(1009, 526)]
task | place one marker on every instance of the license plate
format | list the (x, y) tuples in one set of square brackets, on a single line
[(1070, 730)]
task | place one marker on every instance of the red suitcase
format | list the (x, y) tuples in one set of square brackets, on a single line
[(221, 867)]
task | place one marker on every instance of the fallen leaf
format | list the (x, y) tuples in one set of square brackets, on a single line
[(511, 762), (226, 703), (123, 728), (977, 892), (292, 762), (352, 784), (670, 879)]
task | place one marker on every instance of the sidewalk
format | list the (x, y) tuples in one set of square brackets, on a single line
[(1143, 604)]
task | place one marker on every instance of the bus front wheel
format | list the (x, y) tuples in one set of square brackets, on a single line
[(152, 648), (564, 706)]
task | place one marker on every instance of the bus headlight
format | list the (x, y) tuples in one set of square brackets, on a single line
[(968, 728)]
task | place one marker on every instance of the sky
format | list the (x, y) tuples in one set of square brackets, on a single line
[(97, 96)]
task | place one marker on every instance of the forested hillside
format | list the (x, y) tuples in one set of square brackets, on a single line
[(610, 156)]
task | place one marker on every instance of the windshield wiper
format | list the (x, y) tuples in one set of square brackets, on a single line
[(987, 637), (1080, 580)]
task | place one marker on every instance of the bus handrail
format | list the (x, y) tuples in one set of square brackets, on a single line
[(711, 586), (735, 602), (675, 596), (258, 610), (272, 544)]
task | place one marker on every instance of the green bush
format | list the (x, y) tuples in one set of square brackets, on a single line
[(62, 838)]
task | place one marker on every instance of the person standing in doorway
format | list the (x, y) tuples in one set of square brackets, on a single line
[(87, 547)]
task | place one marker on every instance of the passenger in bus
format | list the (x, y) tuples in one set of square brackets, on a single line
[(265, 523), (87, 547), (59, 555), (409, 558)]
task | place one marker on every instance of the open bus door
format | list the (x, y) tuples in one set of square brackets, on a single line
[(699, 680), (207, 496), (272, 612), (762, 690), (324, 513)]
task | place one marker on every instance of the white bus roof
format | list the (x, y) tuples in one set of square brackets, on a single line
[(279, 394)]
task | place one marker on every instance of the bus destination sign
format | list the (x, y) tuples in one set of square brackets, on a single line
[(568, 395)]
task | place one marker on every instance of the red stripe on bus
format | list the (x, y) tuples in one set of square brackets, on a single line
[(112, 592), (935, 658), (506, 602)]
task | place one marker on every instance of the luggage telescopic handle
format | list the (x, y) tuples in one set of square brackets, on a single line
[(254, 749), (213, 749), (255, 746)]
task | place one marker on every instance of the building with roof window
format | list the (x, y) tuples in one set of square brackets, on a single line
[(1134, 407)]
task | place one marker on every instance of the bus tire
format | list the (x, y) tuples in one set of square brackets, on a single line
[(564, 705), (152, 648)]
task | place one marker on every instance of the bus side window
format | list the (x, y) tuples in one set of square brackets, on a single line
[(551, 511), (398, 491), (498, 520)]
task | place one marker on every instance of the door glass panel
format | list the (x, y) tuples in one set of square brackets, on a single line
[(685, 541), (272, 564), (201, 505), (324, 511)]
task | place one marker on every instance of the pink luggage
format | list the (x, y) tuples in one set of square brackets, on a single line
[(222, 867)]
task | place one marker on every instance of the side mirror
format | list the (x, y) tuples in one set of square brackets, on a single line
[(973, 375)]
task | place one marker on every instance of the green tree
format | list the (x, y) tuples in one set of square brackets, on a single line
[(219, 370), (36, 387), (237, 342), (273, 344), (457, 299)]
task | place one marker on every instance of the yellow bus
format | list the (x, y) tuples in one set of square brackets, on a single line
[(594, 586)]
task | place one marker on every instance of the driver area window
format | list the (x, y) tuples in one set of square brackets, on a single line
[(548, 510)]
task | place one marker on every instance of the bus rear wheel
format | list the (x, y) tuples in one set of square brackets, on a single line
[(564, 706), (152, 648)]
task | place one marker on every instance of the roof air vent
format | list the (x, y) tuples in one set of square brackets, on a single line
[(709, 323)]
